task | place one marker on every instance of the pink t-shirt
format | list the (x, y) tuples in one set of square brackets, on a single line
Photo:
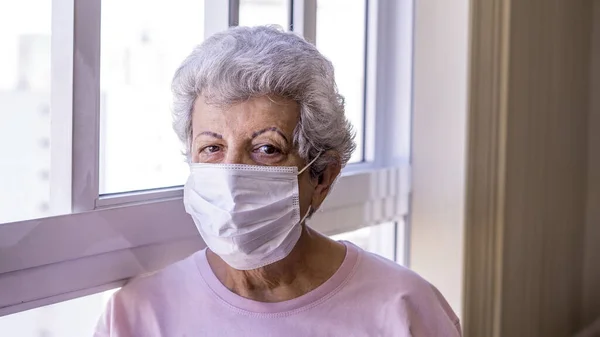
[(367, 296)]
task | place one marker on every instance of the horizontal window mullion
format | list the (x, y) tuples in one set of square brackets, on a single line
[(39, 242), (70, 279)]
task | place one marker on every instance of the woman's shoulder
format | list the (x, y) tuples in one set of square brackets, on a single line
[(150, 285), (374, 268), (399, 286), (130, 309)]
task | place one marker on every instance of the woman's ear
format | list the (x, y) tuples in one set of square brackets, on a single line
[(326, 179)]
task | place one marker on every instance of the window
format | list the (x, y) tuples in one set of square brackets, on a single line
[(341, 36), (25, 113), (91, 171), (386, 239), (140, 51), (264, 12), (341, 30)]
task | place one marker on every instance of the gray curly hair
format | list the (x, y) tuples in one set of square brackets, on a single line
[(243, 62)]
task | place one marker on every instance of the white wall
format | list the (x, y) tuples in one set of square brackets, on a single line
[(591, 268), (441, 32)]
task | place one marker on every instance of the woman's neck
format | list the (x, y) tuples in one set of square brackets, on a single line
[(314, 259)]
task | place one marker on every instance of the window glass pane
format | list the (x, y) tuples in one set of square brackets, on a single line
[(142, 44), (341, 37), (25, 109), (264, 12), (73, 318), (379, 239)]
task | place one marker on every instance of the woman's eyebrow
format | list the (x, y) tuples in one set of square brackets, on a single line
[(209, 133), (272, 128)]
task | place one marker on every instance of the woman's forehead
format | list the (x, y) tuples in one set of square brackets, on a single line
[(257, 113)]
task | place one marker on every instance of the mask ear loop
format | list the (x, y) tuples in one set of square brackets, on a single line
[(299, 173), (306, 215), (311, 162)]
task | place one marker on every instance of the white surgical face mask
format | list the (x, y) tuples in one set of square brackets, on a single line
[(249, 215)]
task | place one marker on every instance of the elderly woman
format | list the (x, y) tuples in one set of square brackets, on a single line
[(266, 135)]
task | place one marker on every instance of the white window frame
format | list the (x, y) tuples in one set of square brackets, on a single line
[(105, 240)]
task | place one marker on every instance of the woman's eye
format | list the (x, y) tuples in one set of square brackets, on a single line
[(268, 149), (211, 149)]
